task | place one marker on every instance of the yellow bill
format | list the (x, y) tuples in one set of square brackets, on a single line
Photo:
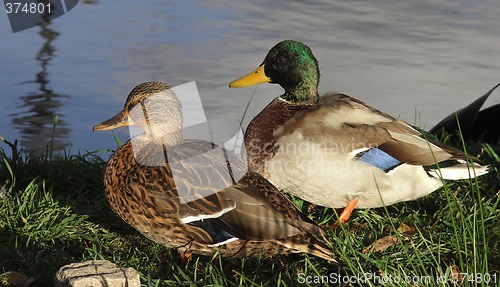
[(256, 77)]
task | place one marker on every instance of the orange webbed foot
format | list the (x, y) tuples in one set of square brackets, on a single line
[(346, 213)]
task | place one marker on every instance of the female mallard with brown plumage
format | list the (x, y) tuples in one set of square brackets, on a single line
[(335, 150), (193, 195)]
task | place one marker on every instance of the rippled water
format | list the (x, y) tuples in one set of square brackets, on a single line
[(414, 59)]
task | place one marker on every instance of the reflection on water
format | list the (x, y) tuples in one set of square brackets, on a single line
[(36, 122), (418, 60)]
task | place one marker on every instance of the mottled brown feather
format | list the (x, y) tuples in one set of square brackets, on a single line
[(146, 198)]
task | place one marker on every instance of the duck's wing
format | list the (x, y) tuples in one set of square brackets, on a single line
[(250, 214), (349, 126), (262, 212), (204, 192), (466, 117), (486, 126)]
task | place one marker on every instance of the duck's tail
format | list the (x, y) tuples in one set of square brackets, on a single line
[(309, 244), (457, 169)]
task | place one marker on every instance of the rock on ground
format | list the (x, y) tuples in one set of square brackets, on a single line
[(96, 273)]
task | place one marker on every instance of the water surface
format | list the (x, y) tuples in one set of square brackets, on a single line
[(418, 60)]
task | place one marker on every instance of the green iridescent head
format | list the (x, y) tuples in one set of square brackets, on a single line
[(292, 65)]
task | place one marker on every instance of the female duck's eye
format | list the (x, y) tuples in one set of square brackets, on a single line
[(281, 60)]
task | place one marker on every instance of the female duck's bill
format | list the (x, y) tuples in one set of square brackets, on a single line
[(181, 204), (349, 152)]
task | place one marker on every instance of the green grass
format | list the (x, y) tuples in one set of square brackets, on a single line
[(53, 212)]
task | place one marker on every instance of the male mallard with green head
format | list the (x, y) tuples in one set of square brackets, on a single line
[(337, 151), (194, 195)]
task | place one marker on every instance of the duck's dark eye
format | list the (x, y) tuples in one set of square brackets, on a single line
[(281, 60)]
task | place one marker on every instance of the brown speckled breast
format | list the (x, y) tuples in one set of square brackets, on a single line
[(151, 207), (259, 140)]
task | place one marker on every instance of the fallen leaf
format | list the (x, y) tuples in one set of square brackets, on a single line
[(406, 230), (456, 276), (17, 279), (382, 244)]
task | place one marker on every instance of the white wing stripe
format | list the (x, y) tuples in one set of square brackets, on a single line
[(201, 217)]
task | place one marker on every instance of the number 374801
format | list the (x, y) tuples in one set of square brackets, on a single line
[(486, 278), (27, 8)]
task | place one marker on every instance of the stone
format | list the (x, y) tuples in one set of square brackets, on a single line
[(96, 273)]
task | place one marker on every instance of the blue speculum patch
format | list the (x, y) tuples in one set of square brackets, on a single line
[(379, 158)]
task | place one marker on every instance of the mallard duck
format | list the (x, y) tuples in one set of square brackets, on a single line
[(337, 151), (194, 195), (475, 124)]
